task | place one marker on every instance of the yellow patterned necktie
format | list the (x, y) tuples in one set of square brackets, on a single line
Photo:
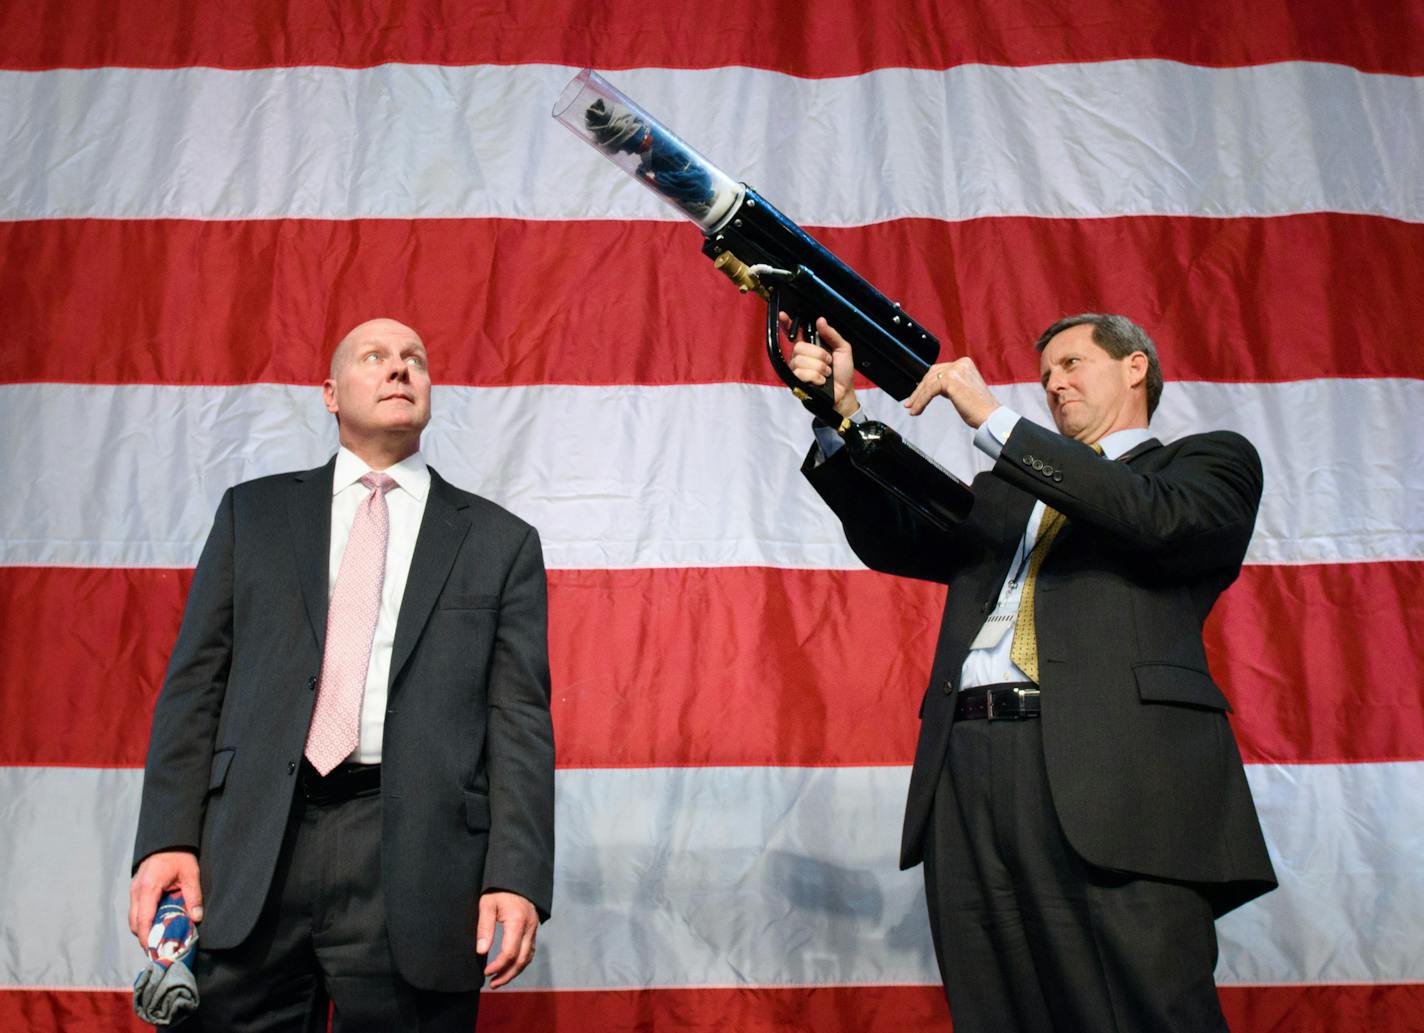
[(1023, 650)]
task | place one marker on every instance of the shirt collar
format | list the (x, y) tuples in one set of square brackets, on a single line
[(1121, 442), (411, 474)]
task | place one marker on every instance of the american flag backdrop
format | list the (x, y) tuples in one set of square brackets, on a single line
[(198, 198)]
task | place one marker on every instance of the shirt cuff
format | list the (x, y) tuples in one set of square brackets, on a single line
[(994, 431), (829, 441)]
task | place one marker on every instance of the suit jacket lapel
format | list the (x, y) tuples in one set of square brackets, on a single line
[(442, 531), (1016, 515), (1141, 449), (1014, 519), (309, 512)]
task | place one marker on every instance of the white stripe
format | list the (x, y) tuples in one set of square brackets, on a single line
[(1142, 137), (64, 873), (1345, 841), (689, 476), (757, 876)]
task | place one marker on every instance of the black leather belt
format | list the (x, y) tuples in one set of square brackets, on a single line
[(343, 782), (1012, 701)]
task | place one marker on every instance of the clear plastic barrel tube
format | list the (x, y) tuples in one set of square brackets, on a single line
[(647, 150)]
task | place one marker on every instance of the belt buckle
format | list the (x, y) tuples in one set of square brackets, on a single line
[(991, 711), (1021, 694), (314, 791)]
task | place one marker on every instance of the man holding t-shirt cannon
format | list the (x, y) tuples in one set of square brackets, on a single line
[(1077, 796)]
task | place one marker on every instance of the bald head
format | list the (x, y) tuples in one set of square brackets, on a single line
[(361, 333)]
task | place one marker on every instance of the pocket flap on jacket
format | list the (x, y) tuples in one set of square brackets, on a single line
[(469, 602), (477, 810), (222, 760), (1169, 683)]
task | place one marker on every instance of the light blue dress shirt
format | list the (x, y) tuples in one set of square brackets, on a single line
[(991, 665)]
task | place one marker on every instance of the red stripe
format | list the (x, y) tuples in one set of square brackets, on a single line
[(830, 1009), (748, 666), (1323, 663), (510, 302), (1377, 1008), (835, 37)]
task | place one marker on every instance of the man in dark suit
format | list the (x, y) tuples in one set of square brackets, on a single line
[(1077, 796), (351, 771)]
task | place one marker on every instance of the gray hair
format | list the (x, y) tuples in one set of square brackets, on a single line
[(1119, 337)]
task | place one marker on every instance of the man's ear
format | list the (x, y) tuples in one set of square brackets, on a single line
[(1136, 370), (328, 395)]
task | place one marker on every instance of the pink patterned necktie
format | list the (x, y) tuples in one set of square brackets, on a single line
[(350, 626)]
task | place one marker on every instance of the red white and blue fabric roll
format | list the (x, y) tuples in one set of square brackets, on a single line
[(165, 991)]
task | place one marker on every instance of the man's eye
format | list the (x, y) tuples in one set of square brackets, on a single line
[(416, 361)]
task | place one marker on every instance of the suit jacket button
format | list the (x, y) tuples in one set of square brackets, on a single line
[(949, 686), (1047, 470), (1038, 464), (311, 684), (291, 767), (1028, 460), (1057, 476)]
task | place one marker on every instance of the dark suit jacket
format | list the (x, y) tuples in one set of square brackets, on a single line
[(1144, 770), (467, 773)]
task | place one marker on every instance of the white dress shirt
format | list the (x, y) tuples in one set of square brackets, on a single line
[(406, 505)]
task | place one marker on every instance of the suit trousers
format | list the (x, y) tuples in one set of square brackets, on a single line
[(1032, 939), (320, 944)]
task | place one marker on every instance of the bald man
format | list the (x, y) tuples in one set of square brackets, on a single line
[(351, 771)]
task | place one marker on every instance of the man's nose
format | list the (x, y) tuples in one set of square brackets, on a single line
[(399, 371)]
